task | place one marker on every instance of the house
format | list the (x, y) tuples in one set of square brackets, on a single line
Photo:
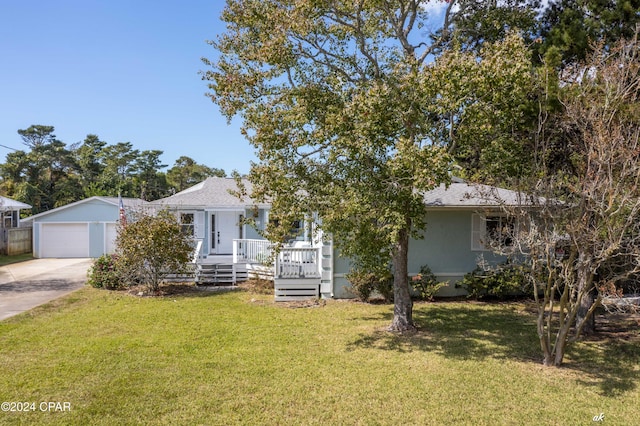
[(10, 210), (14, 239), (215, 217), (459, 219), (86, 228)]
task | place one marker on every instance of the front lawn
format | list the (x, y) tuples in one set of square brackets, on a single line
[(238, 358)]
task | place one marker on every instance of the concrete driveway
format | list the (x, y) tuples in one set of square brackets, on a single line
[(25, 285)]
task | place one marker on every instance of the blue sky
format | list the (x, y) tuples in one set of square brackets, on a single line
[(126, 70)]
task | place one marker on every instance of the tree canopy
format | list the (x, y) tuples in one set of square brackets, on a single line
[(50, 173), (351, 118)]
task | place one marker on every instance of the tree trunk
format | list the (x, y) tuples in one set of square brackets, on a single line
[(585, 323), (403, 305)]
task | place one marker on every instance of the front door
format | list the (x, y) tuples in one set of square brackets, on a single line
[(224, 228)]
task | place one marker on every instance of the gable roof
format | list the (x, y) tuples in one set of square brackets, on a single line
[(128, 203), (10, 204), (214, 192), (463, 194)]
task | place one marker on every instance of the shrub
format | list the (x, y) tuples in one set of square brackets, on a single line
[(151, 247), (502, 281), (384, 285), (425, 284), (104, 273), (364, 283)]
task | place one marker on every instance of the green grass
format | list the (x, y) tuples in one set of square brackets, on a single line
[(238, 358), (5, 260)]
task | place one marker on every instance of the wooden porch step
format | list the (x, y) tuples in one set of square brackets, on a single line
[(221, 273), (296, 289)]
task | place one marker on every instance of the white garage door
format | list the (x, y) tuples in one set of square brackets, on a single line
[(110, 238), (64, 240)]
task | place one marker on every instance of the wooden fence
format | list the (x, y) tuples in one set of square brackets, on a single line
[(14, 241)]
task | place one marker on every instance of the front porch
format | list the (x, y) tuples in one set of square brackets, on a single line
[(296, 270)]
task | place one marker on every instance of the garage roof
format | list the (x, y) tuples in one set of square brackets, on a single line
[(128, 203)]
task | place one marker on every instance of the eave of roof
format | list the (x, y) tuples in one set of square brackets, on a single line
[(461, 194), (212, 193), (11, 204), (128, 203)]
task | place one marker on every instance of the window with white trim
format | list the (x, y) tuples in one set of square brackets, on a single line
[(187, 222), (8, 219), (490, 231)]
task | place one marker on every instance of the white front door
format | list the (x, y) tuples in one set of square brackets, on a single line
[(224, 228)]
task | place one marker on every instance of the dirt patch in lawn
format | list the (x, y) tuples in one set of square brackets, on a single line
[(617, 325), (177, 289)]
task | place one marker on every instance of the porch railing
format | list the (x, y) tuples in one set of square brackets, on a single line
[(252, 251), (197, 251), (289, 262), (298, 262)]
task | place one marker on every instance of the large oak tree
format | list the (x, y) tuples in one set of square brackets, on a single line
[(350, 116)]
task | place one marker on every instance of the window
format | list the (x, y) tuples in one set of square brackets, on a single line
[(7, 220), (187, 223), (499, 229), (488, 231), (296, 232)]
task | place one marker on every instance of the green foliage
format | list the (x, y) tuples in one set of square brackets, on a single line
[(51, 174), (384, 286), (500, 282), (104, 273), (476, 22), (365, 282), (362, 283), (151, 247), (425, 284), (575, 26), (358, 135), (186, 172)]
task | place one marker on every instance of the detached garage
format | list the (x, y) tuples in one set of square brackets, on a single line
[(86, 228)]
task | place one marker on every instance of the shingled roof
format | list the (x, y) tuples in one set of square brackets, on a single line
[(214, 192), (10, 204), (464, 194)]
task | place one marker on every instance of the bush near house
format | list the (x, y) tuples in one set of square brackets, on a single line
[(365, 282), (147, 249), (104, 273), (425, 284), (500, 282), (151, 247)]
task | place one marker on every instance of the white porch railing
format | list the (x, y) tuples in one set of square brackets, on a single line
[(290, 262), (252, 251), (298, 262), (197, 251)]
